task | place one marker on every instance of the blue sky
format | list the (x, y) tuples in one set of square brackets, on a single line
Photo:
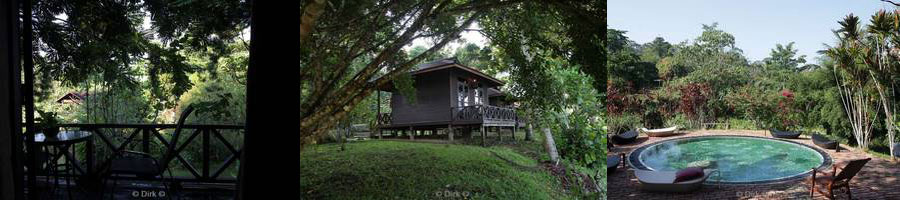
[(756, 25)]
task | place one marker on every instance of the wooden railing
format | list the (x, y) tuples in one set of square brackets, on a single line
[(484, 113), (114, 138), (385, 119)]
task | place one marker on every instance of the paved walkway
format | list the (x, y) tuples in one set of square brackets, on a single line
[(880, 179)]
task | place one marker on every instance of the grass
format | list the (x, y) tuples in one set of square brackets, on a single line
[(408, 170)]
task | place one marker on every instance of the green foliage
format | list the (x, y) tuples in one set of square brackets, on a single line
[(737, 123), (419, 50), (656, 50), (782, 91), (626, 67), (784, 57), (47, 120), (216, 102), (405, 86), (624, 122), (680, 120)]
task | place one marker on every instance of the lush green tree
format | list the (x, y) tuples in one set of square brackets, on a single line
[(711, 60), (625, 66), (784, 57), (656, 50), (419, 50)]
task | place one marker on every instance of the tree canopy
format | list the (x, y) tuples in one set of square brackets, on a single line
[(349, 49)]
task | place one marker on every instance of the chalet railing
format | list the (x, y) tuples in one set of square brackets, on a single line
[(385, 119), (147, 138), (484, 113)]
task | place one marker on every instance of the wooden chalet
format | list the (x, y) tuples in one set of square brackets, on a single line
[(72, 97), (451, 98)]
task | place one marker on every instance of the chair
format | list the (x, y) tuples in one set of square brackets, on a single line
[(834, 180), (663, 181), (143, 165)]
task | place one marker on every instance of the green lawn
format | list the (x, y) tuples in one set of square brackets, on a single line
[(407, 170)]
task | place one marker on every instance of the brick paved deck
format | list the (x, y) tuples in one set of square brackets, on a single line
[(879, 180)]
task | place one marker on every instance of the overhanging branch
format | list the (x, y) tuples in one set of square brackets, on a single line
[(891, 2)]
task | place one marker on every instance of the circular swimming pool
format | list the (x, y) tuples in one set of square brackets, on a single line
[(739, 159)]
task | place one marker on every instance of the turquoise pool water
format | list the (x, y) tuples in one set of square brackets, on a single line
[(739, 159)]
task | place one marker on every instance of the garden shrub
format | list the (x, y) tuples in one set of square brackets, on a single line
[(623, 122), (736, 123), (679, 120)]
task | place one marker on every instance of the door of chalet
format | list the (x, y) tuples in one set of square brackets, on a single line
[(469, 93), (470, 96)]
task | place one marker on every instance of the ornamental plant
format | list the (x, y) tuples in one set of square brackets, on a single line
[(786, 113)]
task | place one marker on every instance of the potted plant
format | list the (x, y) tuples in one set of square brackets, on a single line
[(48, 123)]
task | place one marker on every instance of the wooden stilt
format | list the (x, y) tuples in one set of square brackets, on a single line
[(516, 127), (412, 133), (450, 132), (483, 136), (378, 113), (500, 133)]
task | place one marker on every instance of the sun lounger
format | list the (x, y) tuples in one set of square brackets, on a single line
[(662, 181), (785, 134), (824, 142), (625, 138), (663, 132)]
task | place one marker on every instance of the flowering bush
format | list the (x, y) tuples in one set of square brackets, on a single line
[(694, 97), (786, 113)]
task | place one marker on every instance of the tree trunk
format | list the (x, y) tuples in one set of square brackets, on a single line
[(270, 160), (529, 133), (550, 145), (889, 116)]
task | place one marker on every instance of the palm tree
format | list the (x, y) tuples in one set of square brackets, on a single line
[(882, 66), (852, 78)]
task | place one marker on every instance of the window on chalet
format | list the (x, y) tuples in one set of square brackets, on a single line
[(469, 94), (462, 93), (479, 95)]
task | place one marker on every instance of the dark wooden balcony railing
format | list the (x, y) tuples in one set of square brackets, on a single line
[(484, 113), (114, 138), (385, 119)]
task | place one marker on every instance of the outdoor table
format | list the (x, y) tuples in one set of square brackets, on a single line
[(64, 141)]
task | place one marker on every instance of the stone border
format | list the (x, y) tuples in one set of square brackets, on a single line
[(635, 163)]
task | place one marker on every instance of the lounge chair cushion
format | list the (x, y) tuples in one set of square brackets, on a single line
[(689, 173)]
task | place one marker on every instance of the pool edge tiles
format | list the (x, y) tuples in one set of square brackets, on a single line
[(635, 162)]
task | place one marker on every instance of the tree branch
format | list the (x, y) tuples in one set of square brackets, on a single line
[(891, 2), (311, 12)]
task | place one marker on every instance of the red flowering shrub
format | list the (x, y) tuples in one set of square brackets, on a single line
[(787, 114), (694, 97)]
